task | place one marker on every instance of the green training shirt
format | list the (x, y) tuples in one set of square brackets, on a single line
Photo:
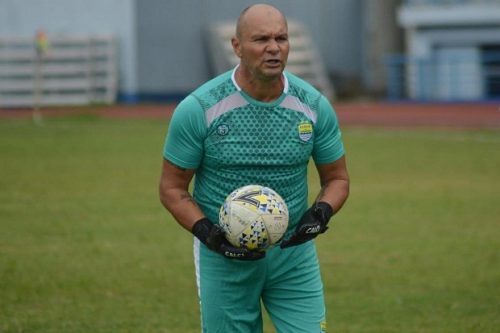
[(233, 140)]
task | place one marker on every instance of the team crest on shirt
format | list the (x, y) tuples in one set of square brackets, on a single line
[(222, 129), (305, 131)]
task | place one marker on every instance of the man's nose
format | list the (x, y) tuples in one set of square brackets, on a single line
[(273, 46)]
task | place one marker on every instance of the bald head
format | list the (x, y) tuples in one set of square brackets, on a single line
[(251, 15), (261, 43)]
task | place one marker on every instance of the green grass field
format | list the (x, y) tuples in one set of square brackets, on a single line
[(85, 245)]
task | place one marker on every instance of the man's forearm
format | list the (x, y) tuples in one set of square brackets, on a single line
[(182, 206), (334, 193)]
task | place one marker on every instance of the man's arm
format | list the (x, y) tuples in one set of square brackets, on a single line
[(175, 197), (334, 183), (334, 192)]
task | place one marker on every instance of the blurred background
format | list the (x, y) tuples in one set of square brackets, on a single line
[(103, 51)]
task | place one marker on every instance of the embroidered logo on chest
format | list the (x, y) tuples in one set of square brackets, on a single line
[(305, 131), (222, 130)]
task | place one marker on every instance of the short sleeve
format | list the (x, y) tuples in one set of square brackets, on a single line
[(186, 134), (328, 145)]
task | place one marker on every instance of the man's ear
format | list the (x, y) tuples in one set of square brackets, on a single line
[(235, 42)]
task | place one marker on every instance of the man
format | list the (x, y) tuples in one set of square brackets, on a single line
[(256, 124)]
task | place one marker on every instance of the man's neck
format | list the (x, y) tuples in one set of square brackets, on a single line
[(261, 90)]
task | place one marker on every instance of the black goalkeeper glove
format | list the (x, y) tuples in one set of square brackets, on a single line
[(212, 235), (313, 222)]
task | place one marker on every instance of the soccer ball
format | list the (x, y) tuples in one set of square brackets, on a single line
[(254, 217)]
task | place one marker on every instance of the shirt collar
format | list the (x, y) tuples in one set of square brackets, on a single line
[(283, 76)]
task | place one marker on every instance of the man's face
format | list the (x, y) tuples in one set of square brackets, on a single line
[(263, 46)]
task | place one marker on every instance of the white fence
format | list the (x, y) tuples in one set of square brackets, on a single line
[(75, 70)]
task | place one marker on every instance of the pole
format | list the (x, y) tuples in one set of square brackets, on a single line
[(41, 48)]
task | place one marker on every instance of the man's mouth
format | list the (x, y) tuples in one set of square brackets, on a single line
[(273, 62)]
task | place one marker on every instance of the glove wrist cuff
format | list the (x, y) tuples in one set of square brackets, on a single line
[(201, 229), (326, 209)]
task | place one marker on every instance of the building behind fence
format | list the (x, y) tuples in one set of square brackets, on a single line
[(452, 51)]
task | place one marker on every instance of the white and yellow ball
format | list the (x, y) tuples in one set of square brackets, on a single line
[(254, 217)]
